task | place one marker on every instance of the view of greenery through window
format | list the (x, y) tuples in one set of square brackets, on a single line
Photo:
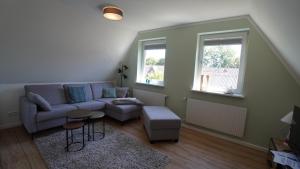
[(154, 64), (220, 68), (222, 56)]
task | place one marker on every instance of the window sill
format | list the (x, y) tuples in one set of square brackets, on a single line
[(222, 94), (149, 84)]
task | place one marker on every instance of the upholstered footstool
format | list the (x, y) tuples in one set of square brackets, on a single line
[(161, 123)]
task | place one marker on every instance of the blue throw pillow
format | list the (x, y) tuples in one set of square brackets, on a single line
[(76, 94), (109, 92), (39, 100)]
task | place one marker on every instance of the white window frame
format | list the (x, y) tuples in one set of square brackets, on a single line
[(141, 58), (240, 33)]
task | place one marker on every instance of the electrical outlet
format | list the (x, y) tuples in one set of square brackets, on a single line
[(12, 114)]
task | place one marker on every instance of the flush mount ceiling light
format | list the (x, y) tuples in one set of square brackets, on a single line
[(112, 13)]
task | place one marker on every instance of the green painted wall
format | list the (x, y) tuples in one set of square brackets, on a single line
[(270, 90)]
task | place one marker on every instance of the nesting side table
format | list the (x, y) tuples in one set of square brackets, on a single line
[(96, 115), (75, 120)]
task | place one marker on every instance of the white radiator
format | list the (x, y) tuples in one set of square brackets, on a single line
[(150, 98), (220, 117)]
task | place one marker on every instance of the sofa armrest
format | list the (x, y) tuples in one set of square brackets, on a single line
[(28, 111)]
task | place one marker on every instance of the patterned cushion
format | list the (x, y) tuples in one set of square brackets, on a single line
[(109, 92), (40, 101), (76, 94), (122, 92)]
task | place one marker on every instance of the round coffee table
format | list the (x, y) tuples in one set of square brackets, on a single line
[(70, 126), (95, 116), (79, 114)]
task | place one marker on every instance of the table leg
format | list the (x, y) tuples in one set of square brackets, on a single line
[(88, 121), (93, 127), (103, 121), (72, 140), (67, 139), (83, 135)]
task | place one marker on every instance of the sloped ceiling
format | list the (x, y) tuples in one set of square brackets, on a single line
[(280, 21), (59, 41), (277, 18)]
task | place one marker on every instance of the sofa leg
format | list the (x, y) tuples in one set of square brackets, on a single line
[(32, 136)]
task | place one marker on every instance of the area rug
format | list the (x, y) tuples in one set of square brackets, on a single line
[(115, 151)]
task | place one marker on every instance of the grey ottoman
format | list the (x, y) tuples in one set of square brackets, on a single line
[(161, 123)]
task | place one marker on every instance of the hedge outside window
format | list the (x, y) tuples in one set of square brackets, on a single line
[(220, 62)]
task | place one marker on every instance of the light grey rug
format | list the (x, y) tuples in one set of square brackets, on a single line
[(115, 151)]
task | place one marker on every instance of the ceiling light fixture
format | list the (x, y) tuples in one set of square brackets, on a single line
[(112, 13)]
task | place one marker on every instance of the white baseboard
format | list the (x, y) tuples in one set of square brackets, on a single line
[(10, 125), (237, 141)]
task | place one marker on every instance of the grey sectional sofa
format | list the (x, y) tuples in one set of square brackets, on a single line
[(35, 120)]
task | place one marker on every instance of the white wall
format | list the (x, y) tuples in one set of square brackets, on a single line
[(58, 40), (44, 41), (9, 107)]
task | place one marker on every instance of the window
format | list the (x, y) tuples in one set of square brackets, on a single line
[(220, 62), (151, 61)]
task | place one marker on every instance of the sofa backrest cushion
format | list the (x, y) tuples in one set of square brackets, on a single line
[(122, 92), (109, 92), (87, 90), (52, 93), (98, 87)]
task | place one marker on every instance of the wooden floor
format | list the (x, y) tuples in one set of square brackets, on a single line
[(194, 150)]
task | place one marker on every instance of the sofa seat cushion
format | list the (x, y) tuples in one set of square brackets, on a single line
[(57, 111), (106, 100), (91, 105), (119, 108), (159, 117)]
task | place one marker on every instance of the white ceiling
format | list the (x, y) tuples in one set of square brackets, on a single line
[(150, 14), (277, 18)]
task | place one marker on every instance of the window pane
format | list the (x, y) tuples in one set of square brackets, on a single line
[(154, 65), (220, 68)]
